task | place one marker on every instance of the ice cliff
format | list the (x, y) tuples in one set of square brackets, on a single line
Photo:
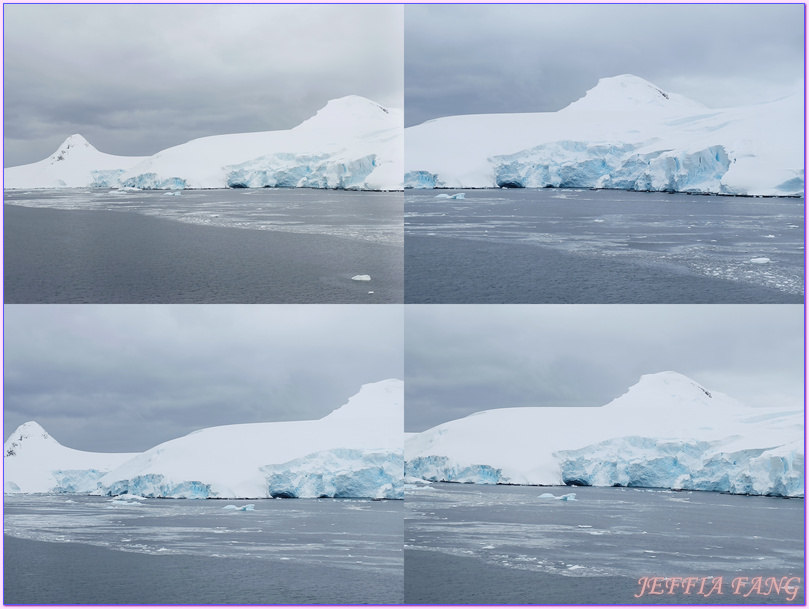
[(666, 431), (625, 133), (356, 451), (352, 143)]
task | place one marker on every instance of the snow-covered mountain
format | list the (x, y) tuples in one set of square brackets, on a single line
[(666, 431), (74, 165), (356, 451), (351, 143), (33, 462), (625, 133)]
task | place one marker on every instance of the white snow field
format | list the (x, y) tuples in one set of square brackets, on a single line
[(625, 133), (666, 432), (356, 451), (352, 143)]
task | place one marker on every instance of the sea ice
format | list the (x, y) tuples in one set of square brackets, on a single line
[(241, 508)]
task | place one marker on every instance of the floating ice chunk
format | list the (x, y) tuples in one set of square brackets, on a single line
[(459, 195), (769, 236), (172, 194), (116, 503), (361, 278), (760, 260), (568, 497), (241, 508)]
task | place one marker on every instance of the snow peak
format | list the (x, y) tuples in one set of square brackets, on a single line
[(710, 586)]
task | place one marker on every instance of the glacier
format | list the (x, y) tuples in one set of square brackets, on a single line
[(355, 451), (625, 133), (339, 472), (352, 143), (666, 431)]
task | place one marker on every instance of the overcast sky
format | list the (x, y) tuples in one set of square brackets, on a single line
[(536, 58), (124, 378), (135, 79), (461, 359)]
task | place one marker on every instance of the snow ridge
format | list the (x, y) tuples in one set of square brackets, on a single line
[(355, 451), (625, 133), (665, 431), (352, 143), (629, 93)]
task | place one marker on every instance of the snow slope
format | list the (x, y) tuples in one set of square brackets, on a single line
[(354, 451), (666, 431), (351, 143), (75, 164), (625, 133), (34, 462)]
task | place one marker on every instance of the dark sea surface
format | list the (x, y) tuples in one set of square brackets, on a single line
[(582, 246), (205, 246), (62, 549), (476, 544)]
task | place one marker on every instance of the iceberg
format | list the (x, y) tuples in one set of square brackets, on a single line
[(356, 451), (666, 431), (459, 195), (625, 133), (352, 144)]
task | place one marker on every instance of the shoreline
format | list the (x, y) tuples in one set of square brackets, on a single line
[(664, 192)]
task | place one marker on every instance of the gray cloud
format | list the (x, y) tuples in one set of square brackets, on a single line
[(464, 359), (464, 59), (125, 378), (135, 79)]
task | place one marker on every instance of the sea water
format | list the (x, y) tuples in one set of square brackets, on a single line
[(79, 549), (509, 544), (202, 246), (583, 246)]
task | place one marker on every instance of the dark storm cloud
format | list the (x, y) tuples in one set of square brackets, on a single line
[(125, 378), (134, 79), (466, 59), (464, 359)]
